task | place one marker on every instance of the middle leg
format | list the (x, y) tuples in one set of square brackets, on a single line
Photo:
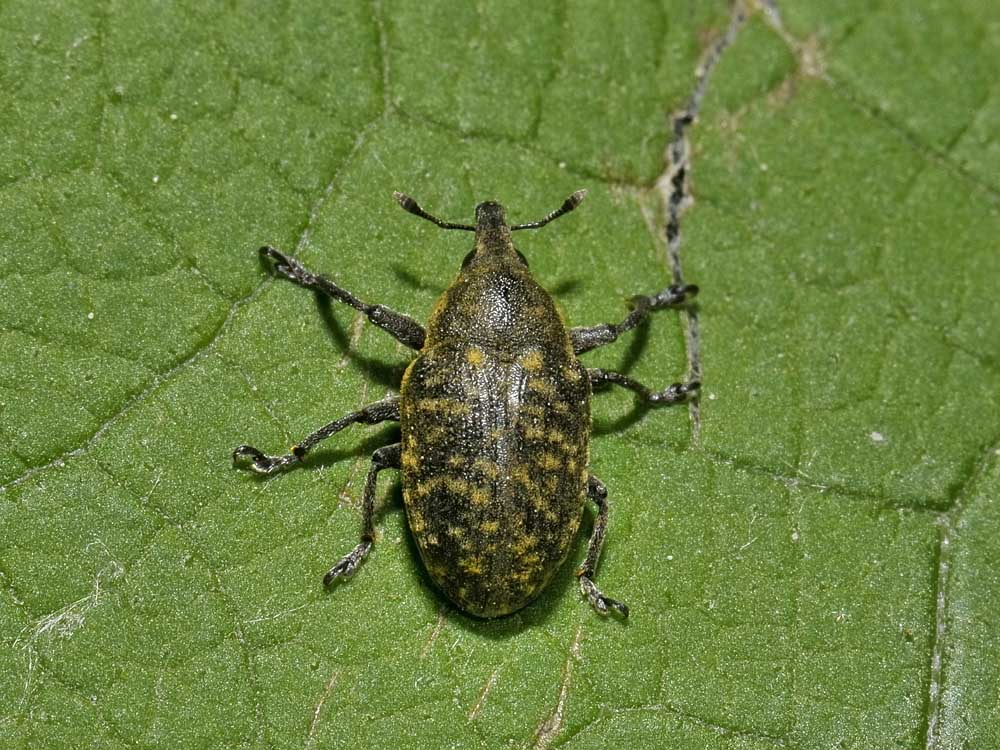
[(672, 394), (380, 411), (587, 338)]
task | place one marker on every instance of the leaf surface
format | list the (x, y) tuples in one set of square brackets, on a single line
[(810, 557)]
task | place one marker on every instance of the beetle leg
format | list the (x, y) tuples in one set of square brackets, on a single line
[(380, 411), (404, 328), (386, 457), (599, 494), (672, 394), (585, 339)]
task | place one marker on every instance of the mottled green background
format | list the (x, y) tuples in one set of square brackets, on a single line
[(818, 570)]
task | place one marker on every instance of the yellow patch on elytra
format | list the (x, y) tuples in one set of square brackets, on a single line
[(560, 407), (541, 385), (532, 432), (474, 356), (521, 474), (417, 524), (410, 460), (532, 361), (471, 565), (570, 449), (456, 485), (549, 461), (572, 374), (437, 379), (489, 527), (456, 461), (456, 531), (529, 559), (426, 486), (433, 434), (444, 406), (487, 468), (523, 544), (479, 496)]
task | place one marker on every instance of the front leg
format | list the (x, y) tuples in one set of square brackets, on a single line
[(380, 411), (585, 339), (404, 328)]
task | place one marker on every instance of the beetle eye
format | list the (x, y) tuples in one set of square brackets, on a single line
[(468, 258), (521, 256)]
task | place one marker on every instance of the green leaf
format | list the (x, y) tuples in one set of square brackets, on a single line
[(811, 563)]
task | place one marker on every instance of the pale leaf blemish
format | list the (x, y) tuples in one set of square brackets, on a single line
[(314, 724), (807, 52), (275, 615), (356, 330), (876, 437), (550, 728), (750, 538), (434, 634), (63, 622), (474, 711)]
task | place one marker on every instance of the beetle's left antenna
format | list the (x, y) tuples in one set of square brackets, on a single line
[(568, 205), (414, 208)]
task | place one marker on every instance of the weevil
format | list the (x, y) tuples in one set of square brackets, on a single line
[(494, 416)]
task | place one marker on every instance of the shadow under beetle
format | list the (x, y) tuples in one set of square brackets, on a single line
[(494, 416)]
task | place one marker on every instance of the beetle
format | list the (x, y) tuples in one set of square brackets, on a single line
[(494, 417)]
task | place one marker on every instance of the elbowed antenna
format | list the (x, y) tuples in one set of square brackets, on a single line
[(568, 205), (414, 208)]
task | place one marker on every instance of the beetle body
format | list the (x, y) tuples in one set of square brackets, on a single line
[(494, 416), (495, 422)]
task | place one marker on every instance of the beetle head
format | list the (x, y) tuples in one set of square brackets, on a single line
[(492, 231)]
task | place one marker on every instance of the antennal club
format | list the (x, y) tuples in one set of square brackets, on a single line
[(414, 208), (568, 205)]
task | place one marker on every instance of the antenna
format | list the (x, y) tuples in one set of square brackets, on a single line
[(414, 208), (568, 205)]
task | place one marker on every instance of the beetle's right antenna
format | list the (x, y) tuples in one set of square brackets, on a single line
[(568, 205), (414, 208)]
